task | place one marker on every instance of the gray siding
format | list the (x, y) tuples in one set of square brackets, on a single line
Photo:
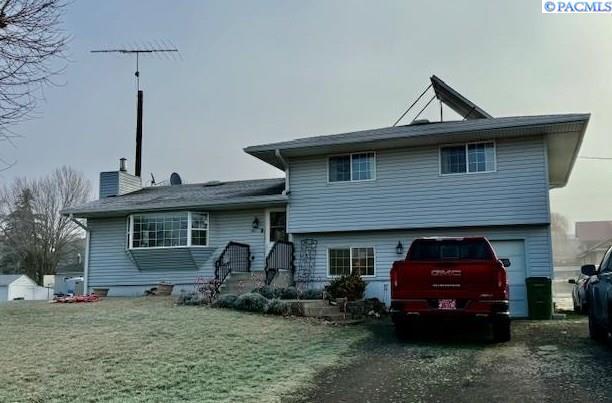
[(128, 183), (109, 184), (110, 264), (114, 183), (538, 249), (409, 192)]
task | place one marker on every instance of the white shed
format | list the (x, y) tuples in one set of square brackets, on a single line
[(20, 286)]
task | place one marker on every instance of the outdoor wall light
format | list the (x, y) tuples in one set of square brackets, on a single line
[(399, 249), (255, 223)]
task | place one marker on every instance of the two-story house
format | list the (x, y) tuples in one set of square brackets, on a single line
[(349, 202)]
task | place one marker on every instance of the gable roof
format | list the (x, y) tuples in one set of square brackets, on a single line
[(563, 134), (210, 195), (457, 102), (7, 279)]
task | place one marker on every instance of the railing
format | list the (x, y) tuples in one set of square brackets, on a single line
[(235, 258), (280, 257)]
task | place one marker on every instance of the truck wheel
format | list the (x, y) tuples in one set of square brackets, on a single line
[(502, 331), (596, 331)]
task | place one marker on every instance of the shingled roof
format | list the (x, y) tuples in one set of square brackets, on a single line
[(210, 195)]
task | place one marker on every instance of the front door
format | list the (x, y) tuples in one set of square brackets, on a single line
[(276, 226)]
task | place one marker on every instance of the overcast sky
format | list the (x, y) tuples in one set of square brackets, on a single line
[(256, 72)]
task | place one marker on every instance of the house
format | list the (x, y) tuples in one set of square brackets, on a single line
[(348, 202), (594, 237), (20, 286)]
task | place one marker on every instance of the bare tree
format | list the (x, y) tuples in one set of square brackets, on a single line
[(564, 248), (34, 231), (31, 43)]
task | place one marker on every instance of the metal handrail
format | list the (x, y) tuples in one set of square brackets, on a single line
[(280, 257), (236, 257)]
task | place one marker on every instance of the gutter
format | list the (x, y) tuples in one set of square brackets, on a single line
[(86, 263), (286, 167)]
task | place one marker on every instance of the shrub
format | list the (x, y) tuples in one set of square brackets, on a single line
[(266, 291), (278, 307), (225, 301), (288, 293), (251, 302), (351, 287), (191, 298), (312, 293)]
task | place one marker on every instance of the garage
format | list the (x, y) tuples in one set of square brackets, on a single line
[(515, 251)]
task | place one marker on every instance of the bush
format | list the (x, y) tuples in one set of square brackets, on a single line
[(266, 291), (312, 293), (351, 287), (191, 298), (278, 307), (288, 293), (251, 302), (225, 301)]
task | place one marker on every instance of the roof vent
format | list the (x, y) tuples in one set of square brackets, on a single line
[(419, 122), (213, 183), (175, 179)]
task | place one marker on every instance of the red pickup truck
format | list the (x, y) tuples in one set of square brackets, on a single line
[(450, 278)]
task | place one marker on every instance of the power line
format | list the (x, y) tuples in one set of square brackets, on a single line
[(595, 158)]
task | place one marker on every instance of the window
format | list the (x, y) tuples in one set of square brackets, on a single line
[(449, 249), (278, 226), (467, 158), (344, 261), (352, 167), (167, 230), (199, 229)]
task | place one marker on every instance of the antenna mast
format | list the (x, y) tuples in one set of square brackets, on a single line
[(140, 95)]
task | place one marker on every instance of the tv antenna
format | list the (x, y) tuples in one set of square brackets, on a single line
[(137, 51)]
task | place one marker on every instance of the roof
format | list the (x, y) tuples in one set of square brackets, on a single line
[(564, 135), (594, 230), (210, 195), (7, 279), (457, 102)]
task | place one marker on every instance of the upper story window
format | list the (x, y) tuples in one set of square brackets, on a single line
[(352, 167), (168, 230), (467, 158)]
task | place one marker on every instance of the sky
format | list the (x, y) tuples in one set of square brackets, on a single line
[(253, 72)]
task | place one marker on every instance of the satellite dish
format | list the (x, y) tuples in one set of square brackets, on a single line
[(175, 179)]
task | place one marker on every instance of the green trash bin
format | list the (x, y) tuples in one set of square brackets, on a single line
[(539, 297)]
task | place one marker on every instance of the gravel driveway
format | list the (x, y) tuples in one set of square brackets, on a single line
[(547, 361)]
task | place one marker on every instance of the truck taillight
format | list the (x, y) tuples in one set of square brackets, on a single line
[(501, 279), (394, 277)]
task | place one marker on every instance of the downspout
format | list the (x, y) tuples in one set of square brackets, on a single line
[(286, 167), (286, 192), (86, 263)]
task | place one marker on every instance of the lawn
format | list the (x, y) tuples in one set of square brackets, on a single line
[(148, 349)]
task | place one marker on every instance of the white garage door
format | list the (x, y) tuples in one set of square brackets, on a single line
[(515, 251)]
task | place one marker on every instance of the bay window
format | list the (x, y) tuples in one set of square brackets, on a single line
[(168, 230)]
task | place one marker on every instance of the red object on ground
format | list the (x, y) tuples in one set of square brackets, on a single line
[(450, 278), (76, 299)]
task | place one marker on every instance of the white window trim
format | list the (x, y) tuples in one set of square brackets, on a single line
[(350, 248), (189, 245), (329, 157), (467, 162)]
